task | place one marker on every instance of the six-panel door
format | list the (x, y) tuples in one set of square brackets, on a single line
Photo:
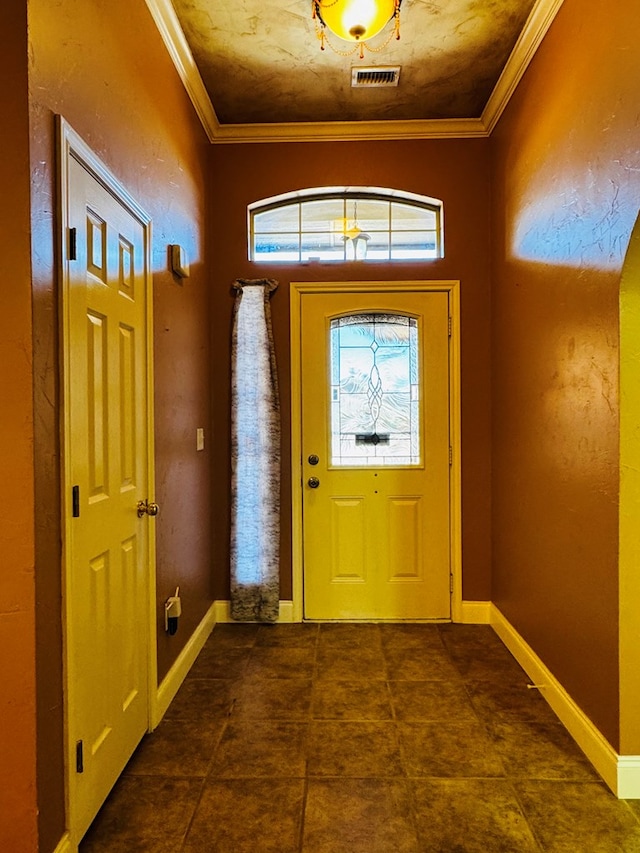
[(106, 412)]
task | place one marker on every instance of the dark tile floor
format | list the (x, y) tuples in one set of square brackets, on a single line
[(340, 738)]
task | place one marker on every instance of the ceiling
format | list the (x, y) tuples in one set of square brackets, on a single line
[(255, 71)]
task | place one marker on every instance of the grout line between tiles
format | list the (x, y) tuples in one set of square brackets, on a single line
[(523, 811), (303, 812), (193, 814)]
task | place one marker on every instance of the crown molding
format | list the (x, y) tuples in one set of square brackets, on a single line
[(535, 29), (166, 20), (168, 25), (345, 131)]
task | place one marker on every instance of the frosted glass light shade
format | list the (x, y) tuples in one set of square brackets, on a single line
[(357, 20)]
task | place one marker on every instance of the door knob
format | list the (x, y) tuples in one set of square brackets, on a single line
[(313, 482), (146, 508)]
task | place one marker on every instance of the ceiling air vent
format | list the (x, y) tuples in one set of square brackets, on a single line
[(375, 76)]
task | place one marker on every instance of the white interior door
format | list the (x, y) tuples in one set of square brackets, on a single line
[(107, 472), (375, 455)]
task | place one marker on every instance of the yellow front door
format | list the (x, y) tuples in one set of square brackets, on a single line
[(106, 474), (375, 454)]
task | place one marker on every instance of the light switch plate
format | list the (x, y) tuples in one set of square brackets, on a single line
[(200, 438)]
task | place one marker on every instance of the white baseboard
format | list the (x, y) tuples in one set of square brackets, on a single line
[(172, 681), (474, 613), (469, 612), (628, 777), (620, 772), (65, 845), (223, 611)]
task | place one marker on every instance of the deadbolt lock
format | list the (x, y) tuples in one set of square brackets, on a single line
[(313, 459)]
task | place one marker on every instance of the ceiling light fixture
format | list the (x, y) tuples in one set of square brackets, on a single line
[(355, 21), (354, 238)]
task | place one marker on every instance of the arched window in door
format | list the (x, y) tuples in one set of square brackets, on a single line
[(345, 224), (375, 390)]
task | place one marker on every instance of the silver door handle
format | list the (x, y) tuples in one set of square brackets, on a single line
[(313, 482)]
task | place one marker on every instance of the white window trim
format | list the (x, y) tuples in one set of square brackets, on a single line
[(348, 193)]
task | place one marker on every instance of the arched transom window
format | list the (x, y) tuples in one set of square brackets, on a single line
[(345, 224)]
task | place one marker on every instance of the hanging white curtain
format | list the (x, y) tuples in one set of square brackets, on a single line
[(255, 457)]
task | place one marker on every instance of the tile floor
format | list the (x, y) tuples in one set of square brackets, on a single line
[(341, 738)]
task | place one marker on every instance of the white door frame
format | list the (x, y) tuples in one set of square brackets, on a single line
[(297, 289), (71, 145)]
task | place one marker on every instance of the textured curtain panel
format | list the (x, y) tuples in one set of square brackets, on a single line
[(255, 457)]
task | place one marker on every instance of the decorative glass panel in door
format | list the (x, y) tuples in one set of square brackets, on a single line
[(375, 390)]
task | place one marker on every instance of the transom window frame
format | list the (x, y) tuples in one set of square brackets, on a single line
[(356, 248)]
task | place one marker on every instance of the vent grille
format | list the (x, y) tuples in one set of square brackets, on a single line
[(376, 76)]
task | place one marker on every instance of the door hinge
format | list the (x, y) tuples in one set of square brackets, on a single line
[(451, 584), (73, 244), (75, 501), (450, 455), (79, 757), (450, 325)]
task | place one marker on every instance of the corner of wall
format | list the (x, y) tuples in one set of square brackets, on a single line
[(620, 772)]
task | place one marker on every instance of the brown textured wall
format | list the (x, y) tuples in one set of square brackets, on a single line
[(104, 68), (566, 189), (456, 172), (18, 804)]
